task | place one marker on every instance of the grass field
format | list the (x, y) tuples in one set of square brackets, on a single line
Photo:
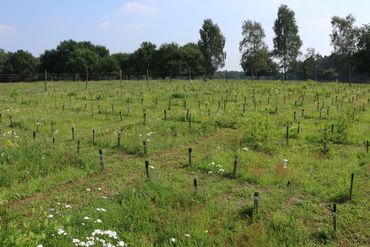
[(57, 190)]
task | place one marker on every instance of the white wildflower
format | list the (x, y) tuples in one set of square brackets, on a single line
[(61, 232), (121, 243)]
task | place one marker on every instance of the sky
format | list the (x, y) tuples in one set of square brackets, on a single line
[(122, 25)]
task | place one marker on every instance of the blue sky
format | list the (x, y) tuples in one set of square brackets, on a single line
[(121, 25)]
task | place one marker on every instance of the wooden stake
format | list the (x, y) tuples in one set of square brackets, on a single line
[(73, 133), (93, 136), (145, 147), (351, 187), (101, 159), (195, 182), (119, 139), (189, 121), (334, 213), (78, 147), (235, 166), (287, 135), (256, 202), (190, 156), (147, 169)]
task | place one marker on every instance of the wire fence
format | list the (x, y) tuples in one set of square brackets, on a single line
[(157, 75), (32, 77)]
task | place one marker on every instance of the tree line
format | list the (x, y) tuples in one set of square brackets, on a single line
[(84, 60), (351, 50)]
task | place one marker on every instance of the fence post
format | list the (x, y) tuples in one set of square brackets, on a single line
[(78, 147), (145, 147), (119, 139), (93, 136), (334, 213), (73, 133), (256, 202), (46, 80), (189, 121), (147, 168), (101, 159), (235, 166), (190, 156), (351, 186), (195, 182), (287, 134), (120, 77)]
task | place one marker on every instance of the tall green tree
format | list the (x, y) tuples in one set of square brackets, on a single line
[(287, 41), (344, 41), (144, 56), (254, 51), (167, 60), (3, 59), (192, 60), (212, 44), (21, 62), (362, 56), (311, 64), (107, 65), (82, 60), (73, 57)]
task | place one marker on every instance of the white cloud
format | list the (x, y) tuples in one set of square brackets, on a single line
[(105, 25), (137, 8), (7, 30)]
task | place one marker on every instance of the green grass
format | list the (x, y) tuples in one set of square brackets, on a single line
[(48, 189)]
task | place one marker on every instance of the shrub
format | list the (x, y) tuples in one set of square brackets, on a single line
[(258, 134)]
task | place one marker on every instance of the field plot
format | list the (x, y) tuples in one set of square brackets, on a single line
[(243, 163)]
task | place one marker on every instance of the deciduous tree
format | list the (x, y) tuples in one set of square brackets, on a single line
[(287, 41), (212, 44)]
